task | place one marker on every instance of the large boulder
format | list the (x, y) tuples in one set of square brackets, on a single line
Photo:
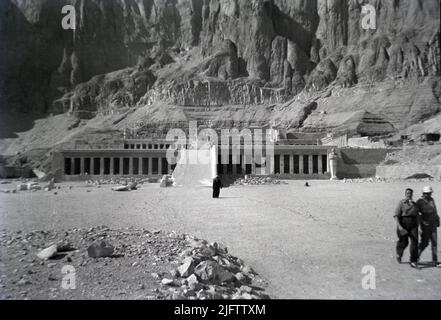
[(211, 272), (48, 252)]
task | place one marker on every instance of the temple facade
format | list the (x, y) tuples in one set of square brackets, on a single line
[(148, 158)]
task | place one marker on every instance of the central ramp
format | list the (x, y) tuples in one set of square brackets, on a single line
[(196, 167)]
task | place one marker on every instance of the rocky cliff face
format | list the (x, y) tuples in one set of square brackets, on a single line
[(210, 52)]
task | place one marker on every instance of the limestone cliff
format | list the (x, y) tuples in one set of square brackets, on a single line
[(134, 53)]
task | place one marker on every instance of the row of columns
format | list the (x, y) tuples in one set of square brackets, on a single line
[(111, 168), (320, 168), (310, 165)]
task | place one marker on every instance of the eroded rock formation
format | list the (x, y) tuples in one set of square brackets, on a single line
[(132, 53)]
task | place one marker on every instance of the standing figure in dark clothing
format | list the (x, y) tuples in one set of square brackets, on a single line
[(430, 221), (217, 185), (406, 216)]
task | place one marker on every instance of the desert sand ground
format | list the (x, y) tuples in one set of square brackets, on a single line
[(306, 242)]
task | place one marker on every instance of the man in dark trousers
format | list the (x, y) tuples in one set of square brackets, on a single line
[(217, 185), (430, 221), (406, 216)]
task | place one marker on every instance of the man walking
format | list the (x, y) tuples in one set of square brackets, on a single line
[(406, 216), (430, 221), (217, 185)]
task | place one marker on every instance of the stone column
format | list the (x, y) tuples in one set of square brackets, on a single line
[(301, 164), (310, 164), (320, 167), (92, 166), (121, 165), (102, 166), (160, 166), (282, 164), (140, 166), (291, 164), (82, 165), (150, 166), (131, 166)]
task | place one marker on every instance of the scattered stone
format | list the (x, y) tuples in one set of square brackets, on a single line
[(246, 289), (103, 249), (247, 270), (210, 271), (187, 267), (240, 277), (168, 282), (48, 253), (65, 247), (246, 296), (254, 180), (23, 282), (192, 280), (207, 251), (21, 187), (199, 270), (155, 276), (174, 273), (121, 188)]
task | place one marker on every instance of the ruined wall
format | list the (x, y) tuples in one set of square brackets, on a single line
[(359, 163)]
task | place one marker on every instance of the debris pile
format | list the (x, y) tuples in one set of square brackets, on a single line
[(30, 186), (365, 180), (256, 180), (208, 271), (121, 181), (123, 263)]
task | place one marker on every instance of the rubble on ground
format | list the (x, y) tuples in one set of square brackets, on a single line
[(364, 180), (256, 180), (128, 186), (29, 185), (121, 181), (414, 178), (208, 271), (48, 252), (100, 250), (123, 263)]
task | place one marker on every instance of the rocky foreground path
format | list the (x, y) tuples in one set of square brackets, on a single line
[(137, 264)]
